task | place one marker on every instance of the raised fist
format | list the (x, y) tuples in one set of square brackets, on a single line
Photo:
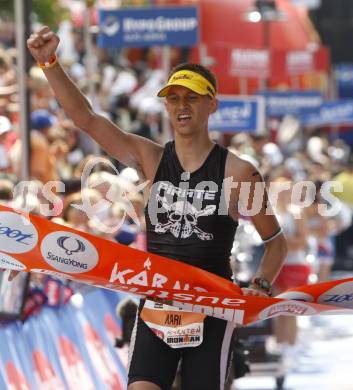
[(43, 44)]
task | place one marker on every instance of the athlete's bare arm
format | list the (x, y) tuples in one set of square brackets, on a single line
[(263, 218), (130, 149)]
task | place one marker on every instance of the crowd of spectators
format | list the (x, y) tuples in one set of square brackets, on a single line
[(309, 231), (126, 83), (59, 152)]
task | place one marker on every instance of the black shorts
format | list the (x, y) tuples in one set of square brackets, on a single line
[(202, 368)]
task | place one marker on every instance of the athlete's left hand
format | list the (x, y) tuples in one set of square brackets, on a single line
[(254, 292)]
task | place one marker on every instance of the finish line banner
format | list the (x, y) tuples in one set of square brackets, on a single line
[(31, 243)]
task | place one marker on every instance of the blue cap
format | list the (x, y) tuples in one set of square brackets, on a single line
[(41, 119)]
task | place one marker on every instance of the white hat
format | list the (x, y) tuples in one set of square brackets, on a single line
[(5, 124), (273, 153)]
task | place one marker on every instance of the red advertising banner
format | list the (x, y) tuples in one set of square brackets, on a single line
[(30, 243), (231, 64), (250, 63), (298, 62)]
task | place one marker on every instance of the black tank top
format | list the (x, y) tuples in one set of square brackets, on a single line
[(192, 224)]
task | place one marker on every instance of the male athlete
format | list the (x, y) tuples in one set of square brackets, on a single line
[(185, 215)]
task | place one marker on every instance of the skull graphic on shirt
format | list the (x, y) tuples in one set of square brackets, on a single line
[(182, 219)]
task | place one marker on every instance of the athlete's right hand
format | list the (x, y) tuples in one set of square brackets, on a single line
[(43, 44)]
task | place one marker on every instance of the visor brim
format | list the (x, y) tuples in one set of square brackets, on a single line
[(183, 83)]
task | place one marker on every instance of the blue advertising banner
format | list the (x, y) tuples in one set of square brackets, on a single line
[(239, 113), (344, 80), (280, 103), (330, 113), (144, 27), (67, 348)]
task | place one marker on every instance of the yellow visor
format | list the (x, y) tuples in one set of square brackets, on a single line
[(190, 80)]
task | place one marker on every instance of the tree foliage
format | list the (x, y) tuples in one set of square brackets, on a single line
[(47, 12)]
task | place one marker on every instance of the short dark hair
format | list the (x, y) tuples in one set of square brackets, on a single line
[(197, 68), (6, 189)]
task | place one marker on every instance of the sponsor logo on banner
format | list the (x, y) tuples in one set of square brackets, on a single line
[(111, 25), (227, 314), (17, 233), (242, 113), (298, 62), (297, 296), (9, 262), (344, 80), (338, 112), (286, 308), (341, 295), (69, 252), (250, 63), (45, 373), (79, 246), (15, 377), (74, 369), (114, 331), (148, 26), (280, 103), (104, 362)]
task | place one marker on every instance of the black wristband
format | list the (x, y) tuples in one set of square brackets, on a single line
[(263, 284)]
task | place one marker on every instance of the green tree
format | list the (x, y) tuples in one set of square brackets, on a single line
[(48, 12)]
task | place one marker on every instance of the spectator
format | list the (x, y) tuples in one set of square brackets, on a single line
[(6, 191), (296, 269), (42, 163), (345, 178), (5, 128)]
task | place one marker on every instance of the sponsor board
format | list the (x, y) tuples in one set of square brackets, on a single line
[(46, 377), (102, 357), (289, 308), (299, 61), (249, 63), (338, 112), (151, 26), (280, 103), (239, 113), (9, 262), (17, 233), (69, 252), (73, 366), (341, 295), (16, 378), (344, 80)]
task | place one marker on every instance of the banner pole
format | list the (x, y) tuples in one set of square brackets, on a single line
[(166, 69), (22, 15), (90, 66)]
